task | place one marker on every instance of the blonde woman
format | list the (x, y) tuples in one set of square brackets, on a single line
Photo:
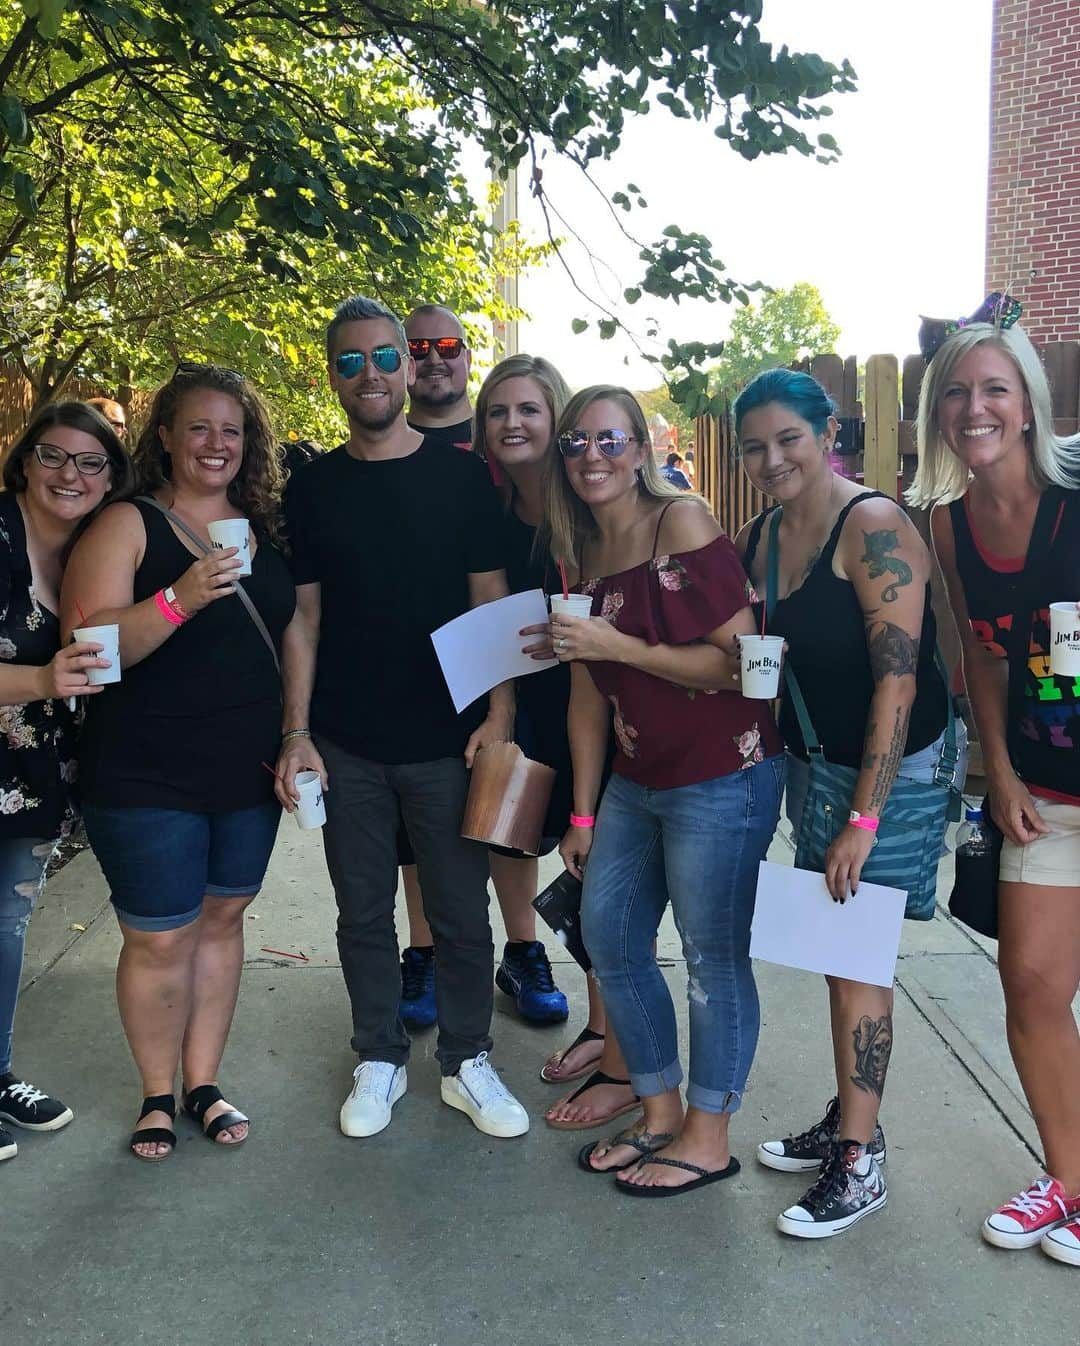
[(694, 795), (1006, 528)]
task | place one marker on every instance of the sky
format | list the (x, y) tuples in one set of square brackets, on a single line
[(895, 229)]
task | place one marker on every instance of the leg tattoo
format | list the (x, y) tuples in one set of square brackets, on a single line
[(872, 1040)]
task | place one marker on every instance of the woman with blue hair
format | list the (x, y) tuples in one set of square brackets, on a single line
[(851, 597)]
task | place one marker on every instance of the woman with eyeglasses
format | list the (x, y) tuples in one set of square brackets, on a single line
[(694, 795), (179, 809), (66, 464)]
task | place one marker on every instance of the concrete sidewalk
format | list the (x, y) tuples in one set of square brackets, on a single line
[(434, 1235)]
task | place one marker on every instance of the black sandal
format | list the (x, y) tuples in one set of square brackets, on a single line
[(702, 1179), (152, 1135), (586, 1035), (645, 1142), (199, 1100), (596, 1078)]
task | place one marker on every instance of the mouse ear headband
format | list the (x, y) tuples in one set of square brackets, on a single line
[(999, 309)]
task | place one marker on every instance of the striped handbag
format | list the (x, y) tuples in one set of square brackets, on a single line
[(908, 842)]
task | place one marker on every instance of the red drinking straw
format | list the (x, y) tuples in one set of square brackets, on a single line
[(763, 619), (271, 770), (562, 573)]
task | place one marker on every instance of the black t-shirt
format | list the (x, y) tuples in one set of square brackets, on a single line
[(392, 543), (457, 436)]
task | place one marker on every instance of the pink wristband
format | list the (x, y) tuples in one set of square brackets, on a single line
[(578, 820), (166, 610), (862, 820)]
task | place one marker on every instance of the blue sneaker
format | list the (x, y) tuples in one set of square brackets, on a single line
[(525, 975), (417, 1006)]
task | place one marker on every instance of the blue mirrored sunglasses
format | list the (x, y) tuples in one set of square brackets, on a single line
[(386, 358)]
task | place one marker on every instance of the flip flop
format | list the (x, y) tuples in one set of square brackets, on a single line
[(597, 1077), (702, 1180), (645, 1142), (586, 1035)]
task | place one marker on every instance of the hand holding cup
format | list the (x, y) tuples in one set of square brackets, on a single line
[(68, 672), (212, 576)]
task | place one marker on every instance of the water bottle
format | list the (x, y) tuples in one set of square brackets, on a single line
[(973, 837)]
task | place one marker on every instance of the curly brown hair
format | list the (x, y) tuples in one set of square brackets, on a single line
[(256, 488)]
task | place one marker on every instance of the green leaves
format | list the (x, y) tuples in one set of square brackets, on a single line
[(49, 14), (13, 119)]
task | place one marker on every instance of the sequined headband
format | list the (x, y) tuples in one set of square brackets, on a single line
[(999, 309)]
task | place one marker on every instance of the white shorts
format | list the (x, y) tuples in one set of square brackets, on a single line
[(1052, 860)]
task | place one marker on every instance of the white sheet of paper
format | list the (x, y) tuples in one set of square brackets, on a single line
[(482, 648), (797, 924)]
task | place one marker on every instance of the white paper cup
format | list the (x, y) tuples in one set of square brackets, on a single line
[(1064, 640), (108, 637), (233, 533), (761, 666), (575, 605), (310, 811)]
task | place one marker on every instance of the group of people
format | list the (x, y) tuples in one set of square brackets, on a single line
[(669, 781)]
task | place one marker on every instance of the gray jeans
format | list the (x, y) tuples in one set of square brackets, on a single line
[(360, 838)]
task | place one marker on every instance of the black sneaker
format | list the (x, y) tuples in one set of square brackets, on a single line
[(8, 1148), (23, 1105), (417, 1008), (799, 1154), (525, 974), (849, 1186)]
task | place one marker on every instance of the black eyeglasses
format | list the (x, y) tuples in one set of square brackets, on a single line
[(387, 358), (611, 443), (88, 464), (190, 368), (446, 348)]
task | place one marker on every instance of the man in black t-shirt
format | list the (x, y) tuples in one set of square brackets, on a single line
[(392, 536)]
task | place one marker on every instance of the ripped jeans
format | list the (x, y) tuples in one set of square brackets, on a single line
[(22, 870), (697, 847)]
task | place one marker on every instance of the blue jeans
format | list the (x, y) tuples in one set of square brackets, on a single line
[(697, 846), (22, 873)]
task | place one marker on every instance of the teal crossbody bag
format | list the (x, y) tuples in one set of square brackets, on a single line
[(908, 842)]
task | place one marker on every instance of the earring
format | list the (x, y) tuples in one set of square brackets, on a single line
[(1027, 426)]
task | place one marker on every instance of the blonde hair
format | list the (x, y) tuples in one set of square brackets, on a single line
[(940, 475), (535, 367), (568, 521)]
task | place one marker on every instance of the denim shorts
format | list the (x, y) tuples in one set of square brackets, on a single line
[(160, 863)]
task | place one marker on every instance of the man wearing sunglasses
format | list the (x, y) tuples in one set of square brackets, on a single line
[(392, 537), (438, 388)]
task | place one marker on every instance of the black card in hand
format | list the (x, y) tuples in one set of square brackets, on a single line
[(560, 907)]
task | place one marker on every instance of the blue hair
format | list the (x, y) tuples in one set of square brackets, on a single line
[(798, 392)]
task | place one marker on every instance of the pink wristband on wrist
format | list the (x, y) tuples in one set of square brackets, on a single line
[(863, 820), (579, 820), (166, 609)]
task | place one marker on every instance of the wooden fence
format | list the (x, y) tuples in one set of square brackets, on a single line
[(877, 412)]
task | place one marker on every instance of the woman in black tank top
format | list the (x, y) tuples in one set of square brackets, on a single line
[(1009, 546), (178, 809), (854, 607)]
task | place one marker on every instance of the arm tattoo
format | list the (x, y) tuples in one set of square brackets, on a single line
[(891, 650), (889, 762), (872, 1041), (878, 544)]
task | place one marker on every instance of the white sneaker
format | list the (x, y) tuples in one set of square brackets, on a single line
[(477, 1091), (377, 1086)]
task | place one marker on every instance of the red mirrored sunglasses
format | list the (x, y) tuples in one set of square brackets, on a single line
[(446, 348)]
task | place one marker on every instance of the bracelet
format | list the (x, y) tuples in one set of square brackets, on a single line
[(166, 609), (176, 605), (577, 820), (863, 820), (295, 733)]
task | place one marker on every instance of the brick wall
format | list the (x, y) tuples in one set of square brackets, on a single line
[(1033, 205)]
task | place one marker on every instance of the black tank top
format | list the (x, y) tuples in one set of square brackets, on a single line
[(188, 726), (1047, 748), (825, 628)]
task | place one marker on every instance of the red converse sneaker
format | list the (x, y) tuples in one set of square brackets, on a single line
[(1063, 1243), (1022, 1222)]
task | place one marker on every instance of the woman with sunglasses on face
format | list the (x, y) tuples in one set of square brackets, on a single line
[(853, 604), (179, 809), (694, 795), (66, 464), (1006, 529)]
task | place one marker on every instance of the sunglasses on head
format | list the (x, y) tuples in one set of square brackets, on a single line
[(385, 358), (191, 368), (446, 348), (611, 443)]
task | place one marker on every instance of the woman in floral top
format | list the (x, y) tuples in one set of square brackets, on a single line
[(65, 465), (695, 793)]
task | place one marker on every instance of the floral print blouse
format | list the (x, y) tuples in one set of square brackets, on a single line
[(37, 748), (669, 735)]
